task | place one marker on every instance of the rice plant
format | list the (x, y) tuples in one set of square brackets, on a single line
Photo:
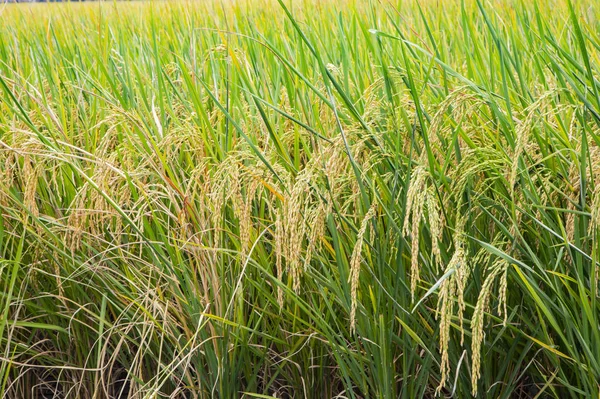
[(300, 199)]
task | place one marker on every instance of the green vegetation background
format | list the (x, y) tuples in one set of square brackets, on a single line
[(324, 199)]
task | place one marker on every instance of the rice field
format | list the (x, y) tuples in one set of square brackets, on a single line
[(300, 199)]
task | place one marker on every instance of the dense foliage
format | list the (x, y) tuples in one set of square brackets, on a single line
[(300, 199)]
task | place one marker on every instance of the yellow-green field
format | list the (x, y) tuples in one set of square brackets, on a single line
[(306, 199)]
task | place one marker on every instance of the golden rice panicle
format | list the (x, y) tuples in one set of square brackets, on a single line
[(336, 167), (436, 224), (502, 307), (533, 114), (77, 219), (31, 175), (451, 291), (478, 334), (317, 230), (439, 129), (445, 312), (415, 201), (296, 227), (6, 176), (236, 192), (522, 133), (355, 262)]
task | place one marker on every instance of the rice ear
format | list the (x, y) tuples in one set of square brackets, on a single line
[(355, 262)]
